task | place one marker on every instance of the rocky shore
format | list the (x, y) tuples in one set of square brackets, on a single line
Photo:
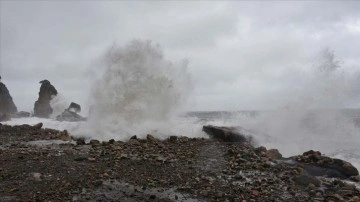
[(40, 164)]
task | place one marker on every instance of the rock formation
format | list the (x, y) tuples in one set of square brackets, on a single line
[(42, 106), (316, 164), (74, 107), (228, 134), (7, 105), (70, 114)]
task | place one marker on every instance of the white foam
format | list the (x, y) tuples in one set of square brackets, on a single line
[(138, 92)]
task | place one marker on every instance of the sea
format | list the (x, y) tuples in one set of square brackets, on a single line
[(335, 133)]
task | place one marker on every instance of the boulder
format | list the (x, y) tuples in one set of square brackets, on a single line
[(306, 180), (74, 107), (273, 154), (227, 134), (38, 126), (71, 116), (316, 164), (7, 105), (42, 106)]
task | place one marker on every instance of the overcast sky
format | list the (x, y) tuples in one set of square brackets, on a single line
[(242, 55)]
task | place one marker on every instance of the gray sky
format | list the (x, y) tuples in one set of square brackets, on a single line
[(242, 55)]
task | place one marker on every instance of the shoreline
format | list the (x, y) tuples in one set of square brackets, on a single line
[(174, 169)]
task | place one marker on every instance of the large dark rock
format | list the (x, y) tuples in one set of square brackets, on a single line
[(71, 116), (316, 164), (42, 106), (7, 105), (228, 134), (74, 107)]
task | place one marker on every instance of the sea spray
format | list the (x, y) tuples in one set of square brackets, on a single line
[(315, 119), (58, 103), (138, 92)]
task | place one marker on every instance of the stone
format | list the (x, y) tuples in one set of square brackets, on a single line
[(134, 142), (150, 138), (317, 165), (74, 107), (70, 116), (80, 141), (42, 106), (355, 178), (306, 180), (227, 134), (273, 154), (38, 126)]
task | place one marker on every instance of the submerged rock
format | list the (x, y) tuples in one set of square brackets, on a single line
[(71, 116), (227, 134), (316, 164), (74, 107), (7, 105), (42, 106), (21, 114)]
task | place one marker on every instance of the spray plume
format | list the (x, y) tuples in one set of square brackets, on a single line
[(138, 92)]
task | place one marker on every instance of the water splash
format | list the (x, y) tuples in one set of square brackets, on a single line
[(58, 103), (138, 92), (315, 119)]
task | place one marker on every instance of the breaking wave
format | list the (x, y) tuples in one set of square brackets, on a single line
[(137, 92)]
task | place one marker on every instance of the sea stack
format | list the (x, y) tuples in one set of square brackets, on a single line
[(42, 106), (7, 105)]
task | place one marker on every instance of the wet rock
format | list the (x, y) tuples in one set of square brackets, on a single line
[(74, 107), (134, 142), (80, 141), (80, 158), (7, 105), (70, 116), (150, 138), (306, 180), (273, 154), (38, 126), (42, 106), (317, 165), (36, 176), (355, 178), (227, 134)]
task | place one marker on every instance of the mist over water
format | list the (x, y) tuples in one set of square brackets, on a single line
[(138, 92), (315, 118)]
